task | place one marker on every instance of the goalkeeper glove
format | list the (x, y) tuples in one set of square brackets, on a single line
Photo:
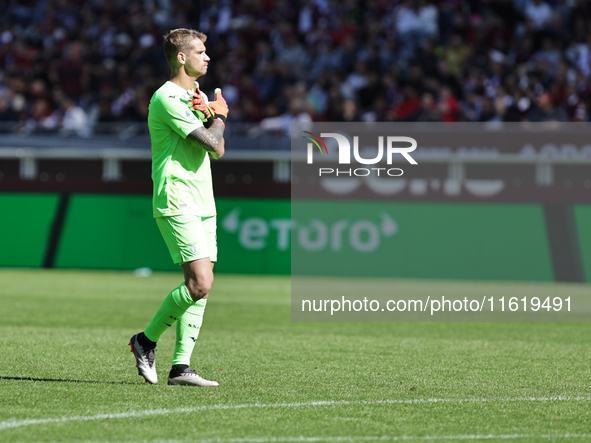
[(199, 105), (219, 106)]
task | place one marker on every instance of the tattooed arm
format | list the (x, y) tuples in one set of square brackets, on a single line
[(220, 151), (211, 139)]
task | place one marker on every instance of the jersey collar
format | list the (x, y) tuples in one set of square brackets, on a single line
[(185, 92)]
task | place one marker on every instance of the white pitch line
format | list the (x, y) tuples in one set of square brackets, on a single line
[(302, 439), (10, 424), (363, 438)]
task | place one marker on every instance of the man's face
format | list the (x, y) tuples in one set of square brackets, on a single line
[(196, 59)]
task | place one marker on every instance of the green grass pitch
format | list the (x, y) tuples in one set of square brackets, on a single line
[(66, 373)]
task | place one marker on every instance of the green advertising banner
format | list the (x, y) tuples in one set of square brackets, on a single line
[(112, 232), (420, 240), (254, 236), (25, 227), (272, 236), (119, 232)]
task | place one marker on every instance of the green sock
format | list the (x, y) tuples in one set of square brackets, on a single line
[(173, 307), (187, 331)]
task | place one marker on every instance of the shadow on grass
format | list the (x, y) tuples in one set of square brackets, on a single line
[(70, 381)]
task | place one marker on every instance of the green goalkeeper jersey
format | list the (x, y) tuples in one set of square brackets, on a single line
[(181, 170)]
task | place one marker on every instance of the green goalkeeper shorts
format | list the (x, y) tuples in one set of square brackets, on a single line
[(189, 237)]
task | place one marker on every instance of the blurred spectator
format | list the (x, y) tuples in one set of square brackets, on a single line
[(429, 111), (6, 111), (448, 106), (350, 112), (74, 119), (69, 119), (544, 110), (409, 108), (282, 123), (539, 13)]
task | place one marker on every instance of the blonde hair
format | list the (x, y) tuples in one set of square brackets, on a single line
[(180, 40)]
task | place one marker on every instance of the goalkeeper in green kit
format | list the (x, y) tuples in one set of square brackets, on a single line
[(185, 130)]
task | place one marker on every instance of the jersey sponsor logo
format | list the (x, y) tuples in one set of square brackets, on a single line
[(190, 116)]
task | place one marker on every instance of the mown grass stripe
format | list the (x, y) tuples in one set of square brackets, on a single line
[(358, 438)]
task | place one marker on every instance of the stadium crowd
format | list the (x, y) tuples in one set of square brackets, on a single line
[(69, 64)]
